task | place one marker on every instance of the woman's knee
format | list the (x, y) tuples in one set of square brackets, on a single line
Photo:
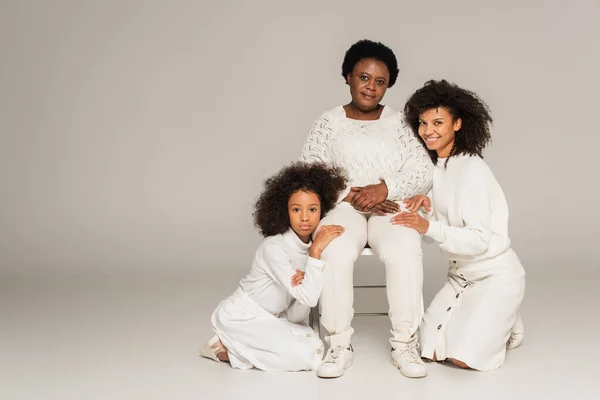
[(344, 250), (398, 244)]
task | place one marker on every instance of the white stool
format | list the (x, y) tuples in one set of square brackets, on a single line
[(315, 315)]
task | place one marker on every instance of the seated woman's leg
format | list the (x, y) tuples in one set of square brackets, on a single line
[(337, 296), (400, 249)]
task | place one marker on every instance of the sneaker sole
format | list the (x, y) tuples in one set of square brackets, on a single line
[(422, 375), (331, 376), (515, 340)]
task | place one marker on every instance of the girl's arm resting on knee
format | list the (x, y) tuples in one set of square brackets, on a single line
[(474, 237), (279, 267)]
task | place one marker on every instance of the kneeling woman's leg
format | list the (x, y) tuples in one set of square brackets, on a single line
[(478, 321)]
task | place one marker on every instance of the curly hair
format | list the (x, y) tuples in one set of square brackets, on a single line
[(271, 209), (474, 133), (368, 49)]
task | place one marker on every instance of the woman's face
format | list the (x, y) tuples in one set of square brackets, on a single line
[(438, 127), (304, 209), (368, 82)]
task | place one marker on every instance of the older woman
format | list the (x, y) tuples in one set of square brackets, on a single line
[(385, 164)]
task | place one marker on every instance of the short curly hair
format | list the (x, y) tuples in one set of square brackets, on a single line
[(369, 49), (474, 133), (271, 209)]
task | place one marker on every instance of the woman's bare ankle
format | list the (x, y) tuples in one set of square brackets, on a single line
[(221, 351)]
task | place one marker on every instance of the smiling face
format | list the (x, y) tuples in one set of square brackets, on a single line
[(438, 128), (304, 209), (368, 82)]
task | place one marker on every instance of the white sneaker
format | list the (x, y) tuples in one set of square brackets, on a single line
[(408, 360), (211, 349), (336, 361), (517, 334)]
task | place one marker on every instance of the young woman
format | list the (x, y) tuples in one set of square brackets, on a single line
[(263, 324), (385, 164), (469, 321)]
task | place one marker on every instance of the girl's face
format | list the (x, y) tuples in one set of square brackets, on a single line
[(368, 82), (437, 127), (304, 209)]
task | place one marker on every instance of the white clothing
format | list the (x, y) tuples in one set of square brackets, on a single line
[(371, 151), (470, 211), (399, 248), (470, 319), (264, 323)]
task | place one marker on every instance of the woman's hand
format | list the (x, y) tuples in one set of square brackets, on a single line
[(297, 278), (414, 203), (411, 220), (324, 236), (353, 192), (369, 196), (384, 208)]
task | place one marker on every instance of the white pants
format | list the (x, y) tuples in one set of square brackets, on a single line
[(398, 247), (258, 339)]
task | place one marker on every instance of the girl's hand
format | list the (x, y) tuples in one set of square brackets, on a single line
[(414, 203), (324, 236), (411, 220), (297, 278)]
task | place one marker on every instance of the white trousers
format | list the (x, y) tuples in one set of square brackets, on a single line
[(258, 339), (398, 247)]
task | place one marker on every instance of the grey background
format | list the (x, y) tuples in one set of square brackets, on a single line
[(134, 139), (137, 134)]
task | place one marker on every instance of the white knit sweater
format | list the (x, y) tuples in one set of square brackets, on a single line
[(371, 151)]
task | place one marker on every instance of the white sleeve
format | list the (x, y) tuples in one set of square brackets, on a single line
[(317, 147), (298, 313), (474, 237), (429, 216), (279, 267), (416, 175)]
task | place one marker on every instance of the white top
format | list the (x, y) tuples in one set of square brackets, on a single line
[(371, 151), (269, 279), (470, 215)]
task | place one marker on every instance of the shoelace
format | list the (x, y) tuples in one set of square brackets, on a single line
[(410, 353), (332, 355)]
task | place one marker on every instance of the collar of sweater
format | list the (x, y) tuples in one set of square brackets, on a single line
[(293, 241)]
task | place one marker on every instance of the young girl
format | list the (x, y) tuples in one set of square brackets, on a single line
[(469, 321), (263, 323)]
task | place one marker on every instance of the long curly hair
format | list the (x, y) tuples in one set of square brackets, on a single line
[(369, 49), (474, 133), (271, 209)]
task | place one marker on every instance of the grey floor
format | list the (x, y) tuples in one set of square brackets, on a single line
[(133, 335)]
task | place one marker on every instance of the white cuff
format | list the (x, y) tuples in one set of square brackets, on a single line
[(435, 232), (313, 262), (344, 193)]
